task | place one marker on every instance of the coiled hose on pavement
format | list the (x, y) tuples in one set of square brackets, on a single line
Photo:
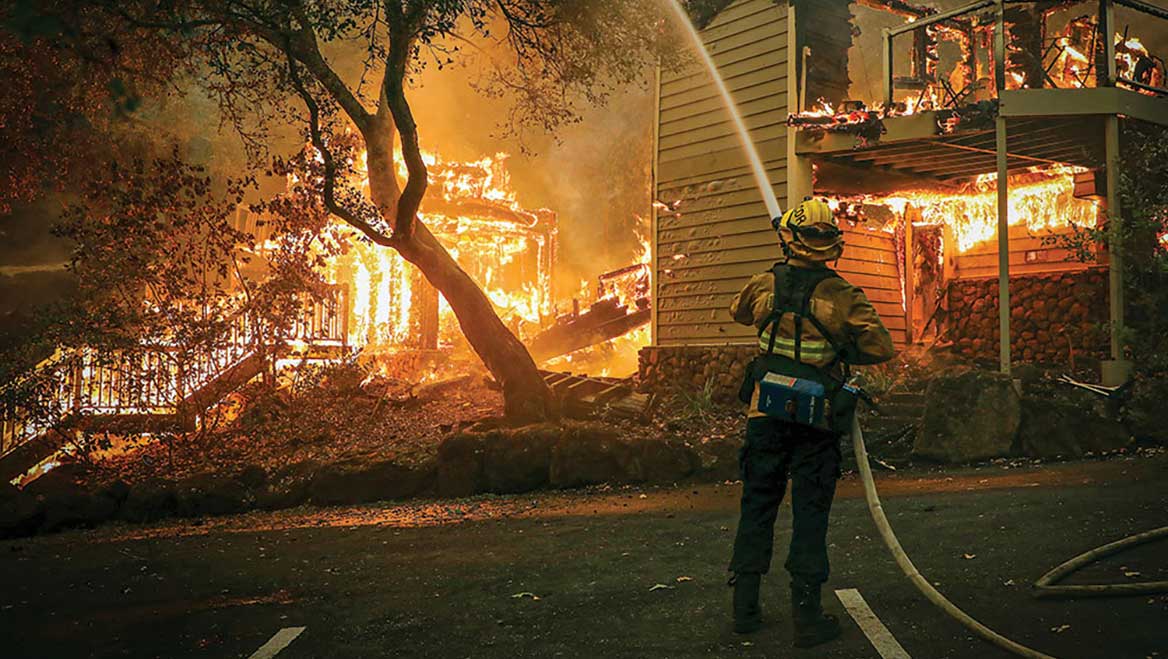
[(1045, 586)]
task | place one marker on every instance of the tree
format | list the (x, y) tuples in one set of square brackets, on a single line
[(69, 94), (1142, 239), (256, 56)]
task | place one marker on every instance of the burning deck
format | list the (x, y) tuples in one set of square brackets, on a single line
[(471, 209)]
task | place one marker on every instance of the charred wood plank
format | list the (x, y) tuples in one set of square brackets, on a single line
[(603, 322), (587, 397)]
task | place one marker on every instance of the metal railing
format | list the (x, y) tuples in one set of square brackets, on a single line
[(957, 19), (149, 380)]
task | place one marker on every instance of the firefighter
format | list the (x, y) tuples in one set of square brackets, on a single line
[(810, 323)]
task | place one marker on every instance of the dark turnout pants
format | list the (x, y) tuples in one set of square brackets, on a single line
[(773, 451)]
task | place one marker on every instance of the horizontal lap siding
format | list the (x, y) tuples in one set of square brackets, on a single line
[(982, 260), (870, 262), (696, 286), (718, 234)]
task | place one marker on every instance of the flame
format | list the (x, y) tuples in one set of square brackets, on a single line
[(472, 210), (1042, 200), (1069, 64), (630, 287)]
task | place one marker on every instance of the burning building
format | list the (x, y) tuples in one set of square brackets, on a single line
[(397, 317), (961, 144), (508, 249)]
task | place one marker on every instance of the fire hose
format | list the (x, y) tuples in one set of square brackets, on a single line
[(1045, 586)]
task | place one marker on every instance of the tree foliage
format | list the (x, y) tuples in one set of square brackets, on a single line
[(269, 63), (70, 92), (1142, 241), (163, 267)]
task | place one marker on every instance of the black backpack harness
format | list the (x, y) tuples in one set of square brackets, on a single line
[(794, 288)]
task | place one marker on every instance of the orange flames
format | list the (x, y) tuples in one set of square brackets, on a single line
[(631, 288), (471, 209), (1042, 200)]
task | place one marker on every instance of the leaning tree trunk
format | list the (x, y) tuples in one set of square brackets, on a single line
[(525, 394)]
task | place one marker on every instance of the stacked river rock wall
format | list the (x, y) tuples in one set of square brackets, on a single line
[(689, 368), (1051, 317)]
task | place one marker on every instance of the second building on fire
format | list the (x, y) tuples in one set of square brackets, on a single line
[(916, 183)]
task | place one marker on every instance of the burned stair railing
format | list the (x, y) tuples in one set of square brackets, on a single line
[(148, 388)]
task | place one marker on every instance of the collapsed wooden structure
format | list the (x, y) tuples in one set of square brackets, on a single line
[(582, 396)]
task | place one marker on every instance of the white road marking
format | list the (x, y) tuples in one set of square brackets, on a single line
[(877, 633), (281, 640)]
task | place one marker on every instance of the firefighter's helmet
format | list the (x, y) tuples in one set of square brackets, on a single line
[(809, 231)]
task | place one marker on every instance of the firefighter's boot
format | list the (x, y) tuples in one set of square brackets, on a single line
[(812, 625), (747, 612)]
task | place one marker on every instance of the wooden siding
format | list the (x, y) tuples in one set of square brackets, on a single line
[(718, 234), (869, 262), (698, 281), (982, 259)]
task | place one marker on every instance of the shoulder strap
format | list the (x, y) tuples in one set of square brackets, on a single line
[(794, 288)]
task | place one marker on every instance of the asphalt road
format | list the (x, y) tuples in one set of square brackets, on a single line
[(574, 574)]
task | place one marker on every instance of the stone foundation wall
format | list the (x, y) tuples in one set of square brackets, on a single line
[(1050, 316), (688, 368)]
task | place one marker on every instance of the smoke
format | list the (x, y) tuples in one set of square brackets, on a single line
[(594, 173)]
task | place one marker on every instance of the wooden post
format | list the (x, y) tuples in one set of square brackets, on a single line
[(1114, 253), (889, 74), (948, 255), (344, 301), (1105, 77), (1003, 195), (1117, 370), (910, 287), (427, 301), (654, 219)]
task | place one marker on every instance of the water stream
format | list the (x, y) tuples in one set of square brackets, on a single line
[(760, 174)]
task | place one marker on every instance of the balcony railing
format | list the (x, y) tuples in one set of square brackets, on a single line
[(1096, 68)]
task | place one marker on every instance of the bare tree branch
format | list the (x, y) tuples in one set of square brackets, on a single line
[(400, 46), (330, 168)]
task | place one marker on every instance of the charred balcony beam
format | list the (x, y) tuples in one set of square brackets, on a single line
[(940, 17), (1147, 8), (892, 151), (900, 172), (920, 126), (1038, 145), (1078, 102), (841, 175)]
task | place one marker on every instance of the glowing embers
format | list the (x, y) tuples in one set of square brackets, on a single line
[(1072, 57), (471, 210), (852, 118), (1042, 200)]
